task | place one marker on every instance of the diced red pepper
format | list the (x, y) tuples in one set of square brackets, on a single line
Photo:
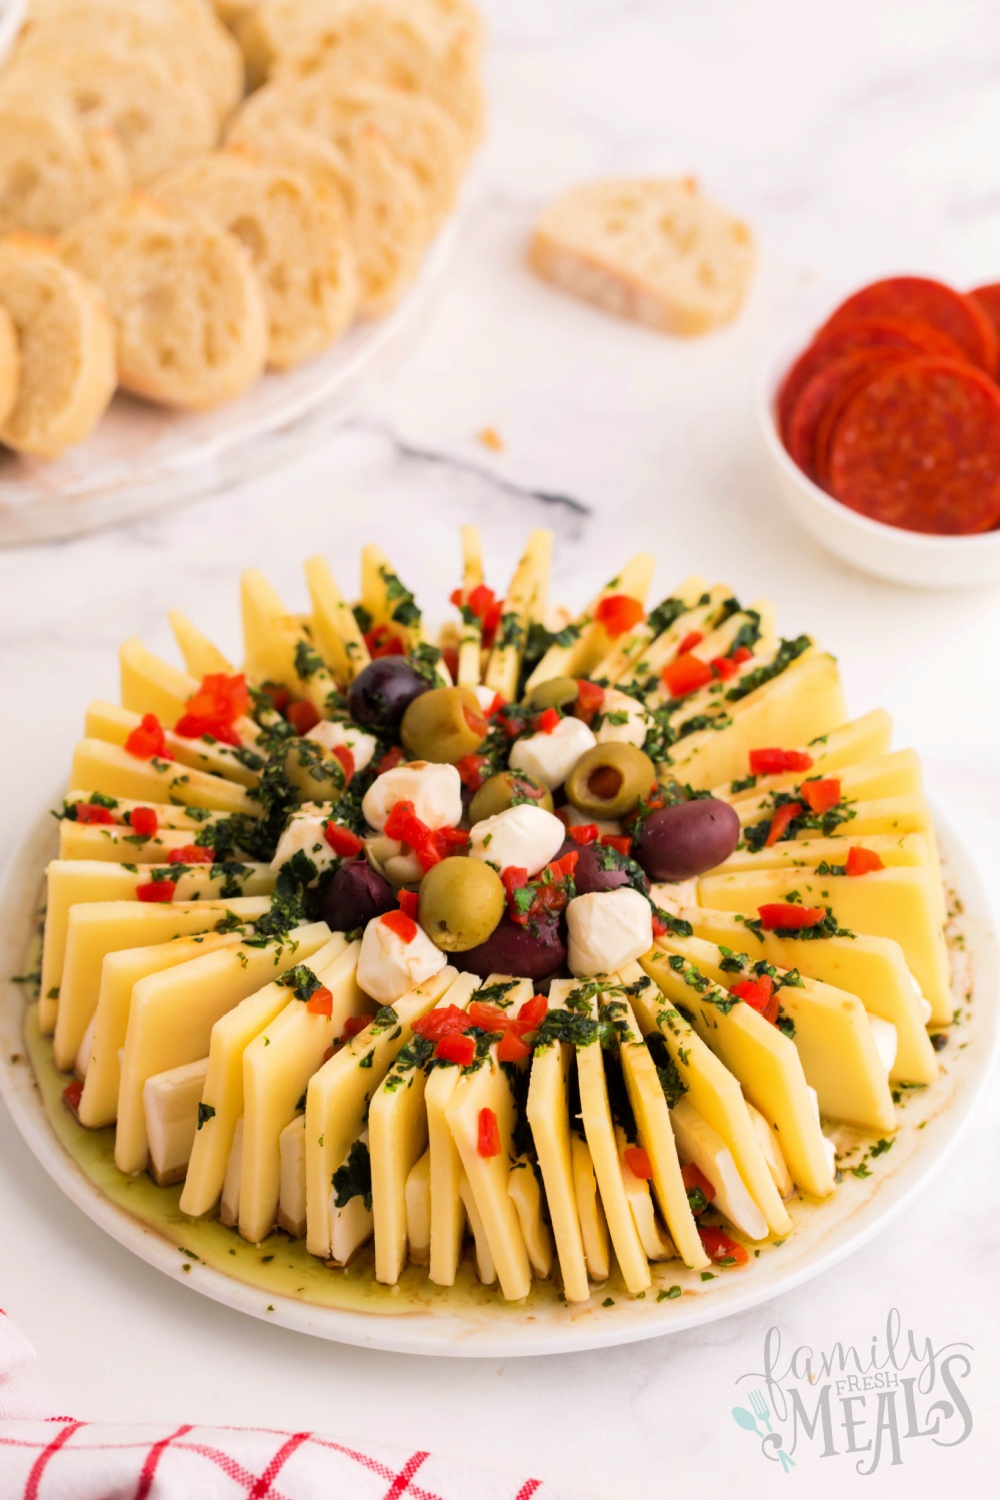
[(403, 926), (531, 1014), (512, 723), (820, 795), (471, 770), (192, 854), (781, 818), (489, 1134), (278, 694), (320, 1002), (214, 708), (302, 716), (144, 822), (409, 901), (638, 1162), (384, 641), (89, 812), (452, 838), (724, 667), (485, 606), (721, 1248), (446, 1020), (740, 655), (686, 674), (147, 740), (617, 841), (694, 1180), (343, 754), (774, 762), (547, 721), (780, 914), (476, 720), (514, 879), (583, 833), (72, 1094), (759, 994), (354, 1025), (692, 639), (512, 1048), (619, 613), (659, 926), (456, 1049), (342, 841), (390, 760), (561, 868), (489, 1017), (589, 699), (156, 890), (449, 655), (863, 861)]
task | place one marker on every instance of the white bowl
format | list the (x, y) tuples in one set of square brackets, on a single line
[(940, 562), (11, 16)]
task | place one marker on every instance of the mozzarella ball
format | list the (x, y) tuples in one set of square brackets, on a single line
[(304, 835), (886, 1040), (549, 758), (524, 836), (394, 860), (389, 968), (334, 733), (434, 790), (632, 730), (608, 929)]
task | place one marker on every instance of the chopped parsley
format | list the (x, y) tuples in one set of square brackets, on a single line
[(354, 1178)]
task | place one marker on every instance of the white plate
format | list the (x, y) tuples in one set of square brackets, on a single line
[(143, 458), (418, 1319), (11, 16)]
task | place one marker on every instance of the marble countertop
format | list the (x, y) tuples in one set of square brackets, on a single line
[(858, 140)]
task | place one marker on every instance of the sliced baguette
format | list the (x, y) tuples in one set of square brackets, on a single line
[(10, 364), (67, 349), (159, 118), (419, 133), (384, 206), (184, 34), (52, 169), (298, 241), (652, 250), (189, 310)]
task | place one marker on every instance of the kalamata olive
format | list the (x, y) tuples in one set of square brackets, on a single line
[(461, 902), (689, 839), (532, 952), (355, 895), (597, 869), (383, 691)]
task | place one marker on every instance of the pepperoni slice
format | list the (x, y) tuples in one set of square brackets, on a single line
[(919, 448), (919, 299), (988, 298), (862, 333), (826, 389)]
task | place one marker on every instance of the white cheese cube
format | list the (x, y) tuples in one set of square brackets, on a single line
[(388, 968), (829, 1147), (525, 837), (622, 719), (292, 1192), (699, 1142), (926, 1010), (304, 835), (549, 758), (435, 791), (170, 1104), (886, 1040), (607, 930), (352, 1225), (773, 1155), (526, 1196), (334, 734)]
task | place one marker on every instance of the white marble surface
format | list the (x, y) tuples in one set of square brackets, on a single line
[(858, 139)]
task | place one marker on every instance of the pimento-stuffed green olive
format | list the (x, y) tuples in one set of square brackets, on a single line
[(608, 780), (461, 903), (507, 789), (444, 724), (558, 692)]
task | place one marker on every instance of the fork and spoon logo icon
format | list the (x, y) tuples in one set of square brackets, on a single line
[(771, 1441)]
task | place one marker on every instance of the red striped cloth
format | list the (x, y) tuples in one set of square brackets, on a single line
[(46, 1457)]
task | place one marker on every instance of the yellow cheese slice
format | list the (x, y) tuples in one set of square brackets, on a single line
[(292, 1190), (718, 1099), (548, 1112), (418, 1211), (277, 647), (351, 1220), (858, 741), (339, 1093), (276, 1073), (701, 616), (591, 642), (526, 1196), (901, 903), (119, 845), (873, 968), (170, 1104), (524, 603), (807, 699), (72, 882), (895, 775), (598, 1126), (593, 1222), (96, 928), (397, 1135), (102, 767), (470, 654), (229, 1208), (200, 656), (485, 1265), (720, 641), (106, 721), (907, 850), (334, 628), (655, 1242), (231, 1036), (152, 686), (763, 1060), (172, 1014), (386, 598), (631, 648), (168, 815), (447, 1215)]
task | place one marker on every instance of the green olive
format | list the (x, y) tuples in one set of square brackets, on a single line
[(507, 789), (443, 725), (316, 775), (558, 692), (461, 903), (608, 780)]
